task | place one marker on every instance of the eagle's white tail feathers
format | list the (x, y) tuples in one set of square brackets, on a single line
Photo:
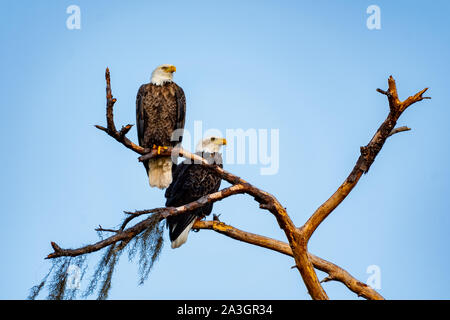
[(160, 172), (182, 238)]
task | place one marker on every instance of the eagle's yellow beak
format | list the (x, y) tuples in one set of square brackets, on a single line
[(222, 142), (171, 69)]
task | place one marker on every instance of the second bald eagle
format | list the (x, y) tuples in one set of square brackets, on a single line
[(160, 115), (191, 182)]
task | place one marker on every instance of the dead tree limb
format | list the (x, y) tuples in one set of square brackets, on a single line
[(367, 157), (111, 127), (298, 237), (334, 272), (399, 129)]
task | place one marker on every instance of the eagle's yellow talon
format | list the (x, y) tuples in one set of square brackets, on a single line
[(159, 149)]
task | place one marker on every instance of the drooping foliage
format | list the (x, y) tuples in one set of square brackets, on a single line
[(63, 281)]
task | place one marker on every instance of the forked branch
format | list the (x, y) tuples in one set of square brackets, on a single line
[(368, 154), (334, 272), (298, 238)]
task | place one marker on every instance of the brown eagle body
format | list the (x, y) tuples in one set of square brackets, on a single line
[(190, 182), (160, 110)]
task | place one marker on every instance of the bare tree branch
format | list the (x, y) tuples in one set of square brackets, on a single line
[(111, 128), (298, 238), (127, 234), (399, 129), (334, 272), (368, 154), (101, 229)]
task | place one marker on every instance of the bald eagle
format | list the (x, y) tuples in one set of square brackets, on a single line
[(190, 182), (160, 115)]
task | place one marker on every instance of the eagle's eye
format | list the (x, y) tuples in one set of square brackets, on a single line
[(213, 138)]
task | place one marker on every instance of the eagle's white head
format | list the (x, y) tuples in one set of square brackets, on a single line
[(210, 144), (163, 74)]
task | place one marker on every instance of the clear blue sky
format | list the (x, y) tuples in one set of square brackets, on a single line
[(307, 68)]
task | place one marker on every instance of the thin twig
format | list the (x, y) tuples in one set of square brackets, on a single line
[(399, 129), (101, 229)]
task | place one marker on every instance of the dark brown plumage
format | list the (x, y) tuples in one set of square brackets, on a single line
[(190, 182), (160, 110)]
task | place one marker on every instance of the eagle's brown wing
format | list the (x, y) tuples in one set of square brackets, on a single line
[(181, 112), (140, 125)]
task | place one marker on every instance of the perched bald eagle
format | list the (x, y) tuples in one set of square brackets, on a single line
[(160, 115), (190, 182)]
